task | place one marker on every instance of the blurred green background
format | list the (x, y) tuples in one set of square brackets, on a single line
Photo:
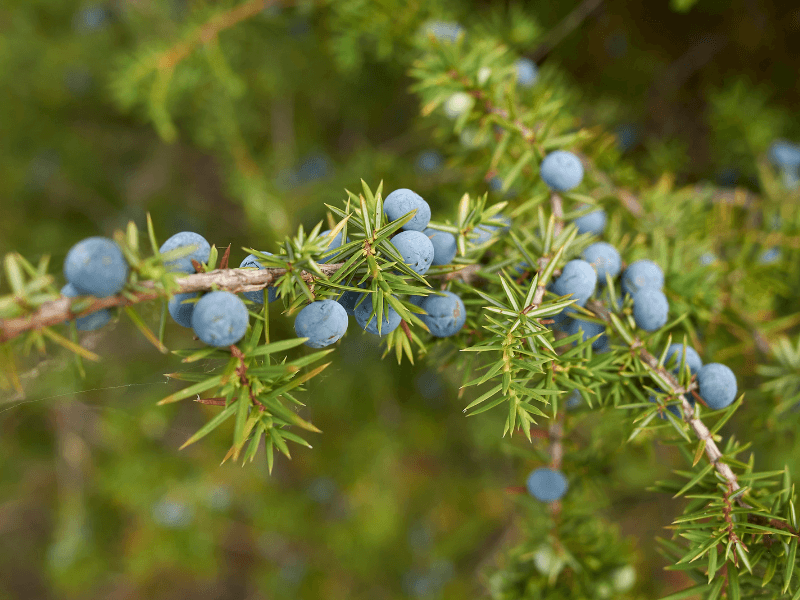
[(401, 495)]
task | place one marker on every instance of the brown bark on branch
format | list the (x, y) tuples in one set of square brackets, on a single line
[(231, 280)]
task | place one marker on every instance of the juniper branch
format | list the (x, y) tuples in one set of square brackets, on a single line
[(701, 431), (54, 312)]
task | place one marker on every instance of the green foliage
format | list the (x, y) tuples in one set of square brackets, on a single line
[(204, 79)]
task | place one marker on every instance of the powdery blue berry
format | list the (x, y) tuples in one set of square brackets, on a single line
[(391, 319), (349, 299), (593, 222), (429, 161), (416, 250), (717, 385), (650, 309), (444, 246), (785, 154), (220, 319), (561, 171), (692, 357), (527, 73), (403, 201), (96, 267), (642, 274), (627, 136), (446, 314), (770, 256), (180, 311), (183, 239), (546, 484), (337, 241), (605, 259), (323, 322), (485, 232), (251, 260), (574, 400), (577, 278), (91, 321), (572, 326), (444, 30)]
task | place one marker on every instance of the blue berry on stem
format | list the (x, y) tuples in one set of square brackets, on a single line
[(593, 222), (96, 267), (220, 319), (605, 259), (577, 278), (415, 248), (391, 319), (642, 274), (323, 322), (337, 241), (251, 260), (91, 321), (403, 201), (446, 314), (650, 309), (527, 73), (547, 485), (186, 239), (444, 246), (349, 299), (589, 330), (561, 171), (717, 385), (180, 311), (692, 358)]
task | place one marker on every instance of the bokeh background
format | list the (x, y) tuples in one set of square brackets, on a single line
[(401, 496)]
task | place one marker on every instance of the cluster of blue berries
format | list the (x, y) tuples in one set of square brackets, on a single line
[(325, 321)]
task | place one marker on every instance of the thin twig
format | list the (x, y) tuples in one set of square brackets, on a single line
[(231, 280)]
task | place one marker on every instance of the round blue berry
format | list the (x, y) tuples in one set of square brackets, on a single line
[(627, 136), (444, 30), (785, 154), (770, 256), (446, 314), (527, 73), (315, 166), (546, 484), (485, 232), (337, 241), (183, 239), (589, 329), (391, 319), (444, 246), (429, 161), (417, 300), (642, 274), (561, 171), (220, 319), (323, 322), (349, 299), (605, 259), (717, 385), (416, 250), (593, 222), (91, 321), (650, 309), (96, 267), (251, 260), (403, 201), (577, 278), (574, 400), (180, 311), (692, 358)]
